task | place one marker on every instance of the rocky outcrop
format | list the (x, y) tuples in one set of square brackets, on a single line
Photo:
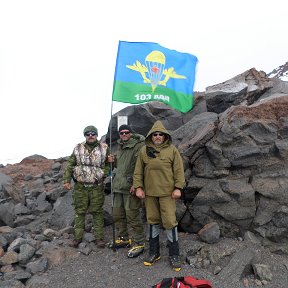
[(237, 164), (235, 152)]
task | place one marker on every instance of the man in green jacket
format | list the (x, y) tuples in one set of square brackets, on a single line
[(126, 206), (88, 166), (159, 178)]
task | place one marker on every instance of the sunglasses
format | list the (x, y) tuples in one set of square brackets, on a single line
[(90, 134), (157, 134), (124, 133)]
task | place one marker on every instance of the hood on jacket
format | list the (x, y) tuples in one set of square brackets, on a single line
[(158, 127)]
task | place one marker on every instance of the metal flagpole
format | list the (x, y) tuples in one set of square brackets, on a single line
[(111, 179)]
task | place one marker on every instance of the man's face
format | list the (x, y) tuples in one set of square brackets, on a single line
[(158, 138), (125, 135), (90, 136)]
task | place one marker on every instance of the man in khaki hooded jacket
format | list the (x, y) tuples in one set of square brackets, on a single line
[(159, 179)]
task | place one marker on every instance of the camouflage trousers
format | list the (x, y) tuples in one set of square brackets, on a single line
[(88, 200)]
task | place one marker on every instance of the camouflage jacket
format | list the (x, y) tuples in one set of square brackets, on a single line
[(87, 164)]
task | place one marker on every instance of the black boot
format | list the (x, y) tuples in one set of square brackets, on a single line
[(174, 255), (154, 254)]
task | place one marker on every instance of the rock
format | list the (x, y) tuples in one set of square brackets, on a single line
[(234, 148), (210, 233)]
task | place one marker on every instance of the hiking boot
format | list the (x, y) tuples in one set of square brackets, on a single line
[(100, 243), (136, 250), (151, 259), (154, 250), (121, 242), (75, 243), (174, 255), (175, 262)]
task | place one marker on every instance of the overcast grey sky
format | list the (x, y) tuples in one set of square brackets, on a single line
[(57, 58)]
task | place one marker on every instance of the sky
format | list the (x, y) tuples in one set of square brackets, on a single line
[(57, 59)]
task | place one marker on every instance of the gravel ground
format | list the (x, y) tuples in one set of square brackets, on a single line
[(108, 268)]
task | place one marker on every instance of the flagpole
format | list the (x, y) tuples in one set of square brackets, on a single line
[(111, 164), (111, 174)]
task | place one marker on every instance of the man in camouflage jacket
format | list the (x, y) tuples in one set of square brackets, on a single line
[(88, 167)]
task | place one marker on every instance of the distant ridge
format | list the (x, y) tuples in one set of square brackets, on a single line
[(280, 73)]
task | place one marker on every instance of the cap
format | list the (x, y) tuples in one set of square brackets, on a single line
[(125, 127), (90, 129)]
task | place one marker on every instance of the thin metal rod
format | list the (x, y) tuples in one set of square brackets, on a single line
[(111, 180)]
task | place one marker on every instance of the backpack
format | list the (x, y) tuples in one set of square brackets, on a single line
[(183, 282)]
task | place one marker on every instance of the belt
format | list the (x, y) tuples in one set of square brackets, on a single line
[(91, 184)]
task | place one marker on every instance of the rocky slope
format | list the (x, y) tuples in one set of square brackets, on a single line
[(34, 255), (232, 217), (280, 72)]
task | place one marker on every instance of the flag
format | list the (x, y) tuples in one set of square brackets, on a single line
[(147, 71)]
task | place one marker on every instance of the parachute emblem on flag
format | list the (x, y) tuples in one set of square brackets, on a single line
[(155, 68), (147, 71)]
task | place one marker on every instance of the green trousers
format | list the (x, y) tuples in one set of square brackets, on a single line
[(89, 199), (127, 211)]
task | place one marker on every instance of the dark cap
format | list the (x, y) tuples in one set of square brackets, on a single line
[(125, 127)]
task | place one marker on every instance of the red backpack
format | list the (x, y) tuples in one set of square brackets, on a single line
[(183, 282)]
